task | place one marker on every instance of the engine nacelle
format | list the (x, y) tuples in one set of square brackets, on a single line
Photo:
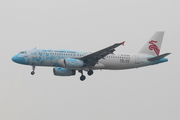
[(71, 63), (63, 71)]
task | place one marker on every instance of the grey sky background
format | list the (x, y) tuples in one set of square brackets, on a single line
[(149, 93)]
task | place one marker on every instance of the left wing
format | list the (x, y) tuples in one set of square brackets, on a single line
[(93, 58)]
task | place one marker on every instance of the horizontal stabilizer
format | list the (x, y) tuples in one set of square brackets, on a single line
[(159, 57)]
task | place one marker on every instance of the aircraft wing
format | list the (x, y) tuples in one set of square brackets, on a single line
[(93, 58)]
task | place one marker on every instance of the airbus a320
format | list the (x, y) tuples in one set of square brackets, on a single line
[(68, 62)]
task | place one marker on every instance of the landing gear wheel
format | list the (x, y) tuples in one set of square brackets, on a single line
[(33, 68), (82, 78), (32, 73), (90, 72)]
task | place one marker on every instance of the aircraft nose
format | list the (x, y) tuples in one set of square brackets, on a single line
[(18, 59), (15, 58)]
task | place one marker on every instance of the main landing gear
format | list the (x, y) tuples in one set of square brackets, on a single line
[(90, 72), (82, 78), (33, 68)]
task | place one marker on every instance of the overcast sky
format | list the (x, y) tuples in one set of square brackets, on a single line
[(149, 93)]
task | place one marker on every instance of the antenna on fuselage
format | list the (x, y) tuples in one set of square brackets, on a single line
[(34, 48)]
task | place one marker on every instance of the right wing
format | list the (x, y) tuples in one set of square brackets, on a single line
[(93, 58)]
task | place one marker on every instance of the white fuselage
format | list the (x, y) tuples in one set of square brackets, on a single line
[(66, 62), (39, 57)]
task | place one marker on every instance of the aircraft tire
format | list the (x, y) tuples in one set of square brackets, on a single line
[(82, 78), (90, 72), (32, 73)]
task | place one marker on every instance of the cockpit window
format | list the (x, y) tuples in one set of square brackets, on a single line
[(23, 52)]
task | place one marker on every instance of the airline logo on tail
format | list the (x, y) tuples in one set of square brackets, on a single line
[(154, 47)]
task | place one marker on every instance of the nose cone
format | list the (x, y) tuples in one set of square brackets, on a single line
[(18, 59), (14, 58)]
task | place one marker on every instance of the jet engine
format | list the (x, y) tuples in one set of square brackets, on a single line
[(58, 71), (71, 63)]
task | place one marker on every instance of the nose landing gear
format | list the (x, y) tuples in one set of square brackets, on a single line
[(32, 73)]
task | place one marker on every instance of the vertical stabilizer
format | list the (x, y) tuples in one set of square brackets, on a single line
[(153, 46)]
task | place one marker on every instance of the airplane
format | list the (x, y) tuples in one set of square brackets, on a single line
[(67, 62)]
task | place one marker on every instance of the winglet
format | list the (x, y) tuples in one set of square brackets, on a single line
[(122, 43)]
